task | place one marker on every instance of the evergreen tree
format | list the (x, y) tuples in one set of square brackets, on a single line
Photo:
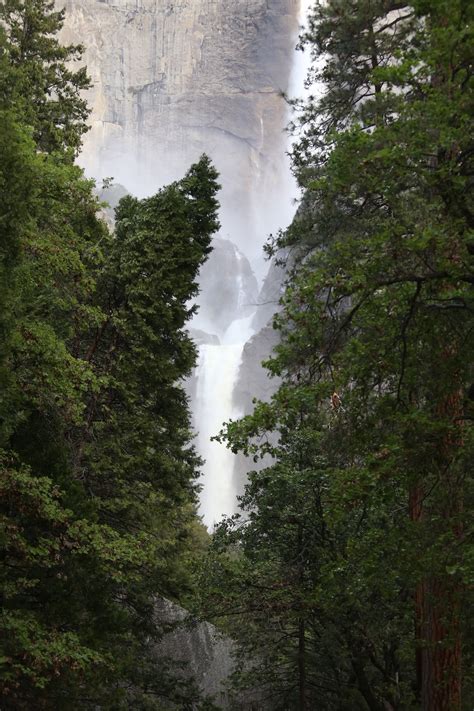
[(42, 86), (50, 542), (97, 470), (138, 422), (376, 361)]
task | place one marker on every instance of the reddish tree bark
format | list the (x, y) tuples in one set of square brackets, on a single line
[(436, 599)]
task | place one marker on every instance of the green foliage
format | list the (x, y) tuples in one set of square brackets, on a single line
[(135, 450), (366, 505), (39, 542), (41, 85), (97, 468), (99, 471)]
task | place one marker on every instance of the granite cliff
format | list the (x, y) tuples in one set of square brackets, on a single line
[(175, 78)]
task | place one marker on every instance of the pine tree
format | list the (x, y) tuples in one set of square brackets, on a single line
[(376, 359), (412, 194), (42, 86), (97, 471)]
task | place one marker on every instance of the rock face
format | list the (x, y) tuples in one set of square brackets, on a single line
[(269, 296), (228, 286), (112, 194), (199, 648), (253, 381), (175, 78), (204, 654)]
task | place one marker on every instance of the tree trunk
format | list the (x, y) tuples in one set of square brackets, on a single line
[(302, 666), (364, 686), (437, 626), (302, 692), (441, 678), (416, 510)]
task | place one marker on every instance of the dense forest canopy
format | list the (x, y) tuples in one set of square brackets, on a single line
[(347, 579)]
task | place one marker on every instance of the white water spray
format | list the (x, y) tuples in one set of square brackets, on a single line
[(218, 365), (217, 372)]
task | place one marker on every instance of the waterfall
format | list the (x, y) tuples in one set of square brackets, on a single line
[(218, 365), (187, 83), (217, 371)]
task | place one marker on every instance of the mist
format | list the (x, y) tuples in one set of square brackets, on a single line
[(174, 85)]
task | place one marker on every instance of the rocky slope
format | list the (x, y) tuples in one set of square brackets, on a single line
[(196, 650), (228, 286)]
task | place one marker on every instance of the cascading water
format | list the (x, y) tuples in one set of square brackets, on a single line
[(217, 371), (217, 374), (218, 365), (172, 80)]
